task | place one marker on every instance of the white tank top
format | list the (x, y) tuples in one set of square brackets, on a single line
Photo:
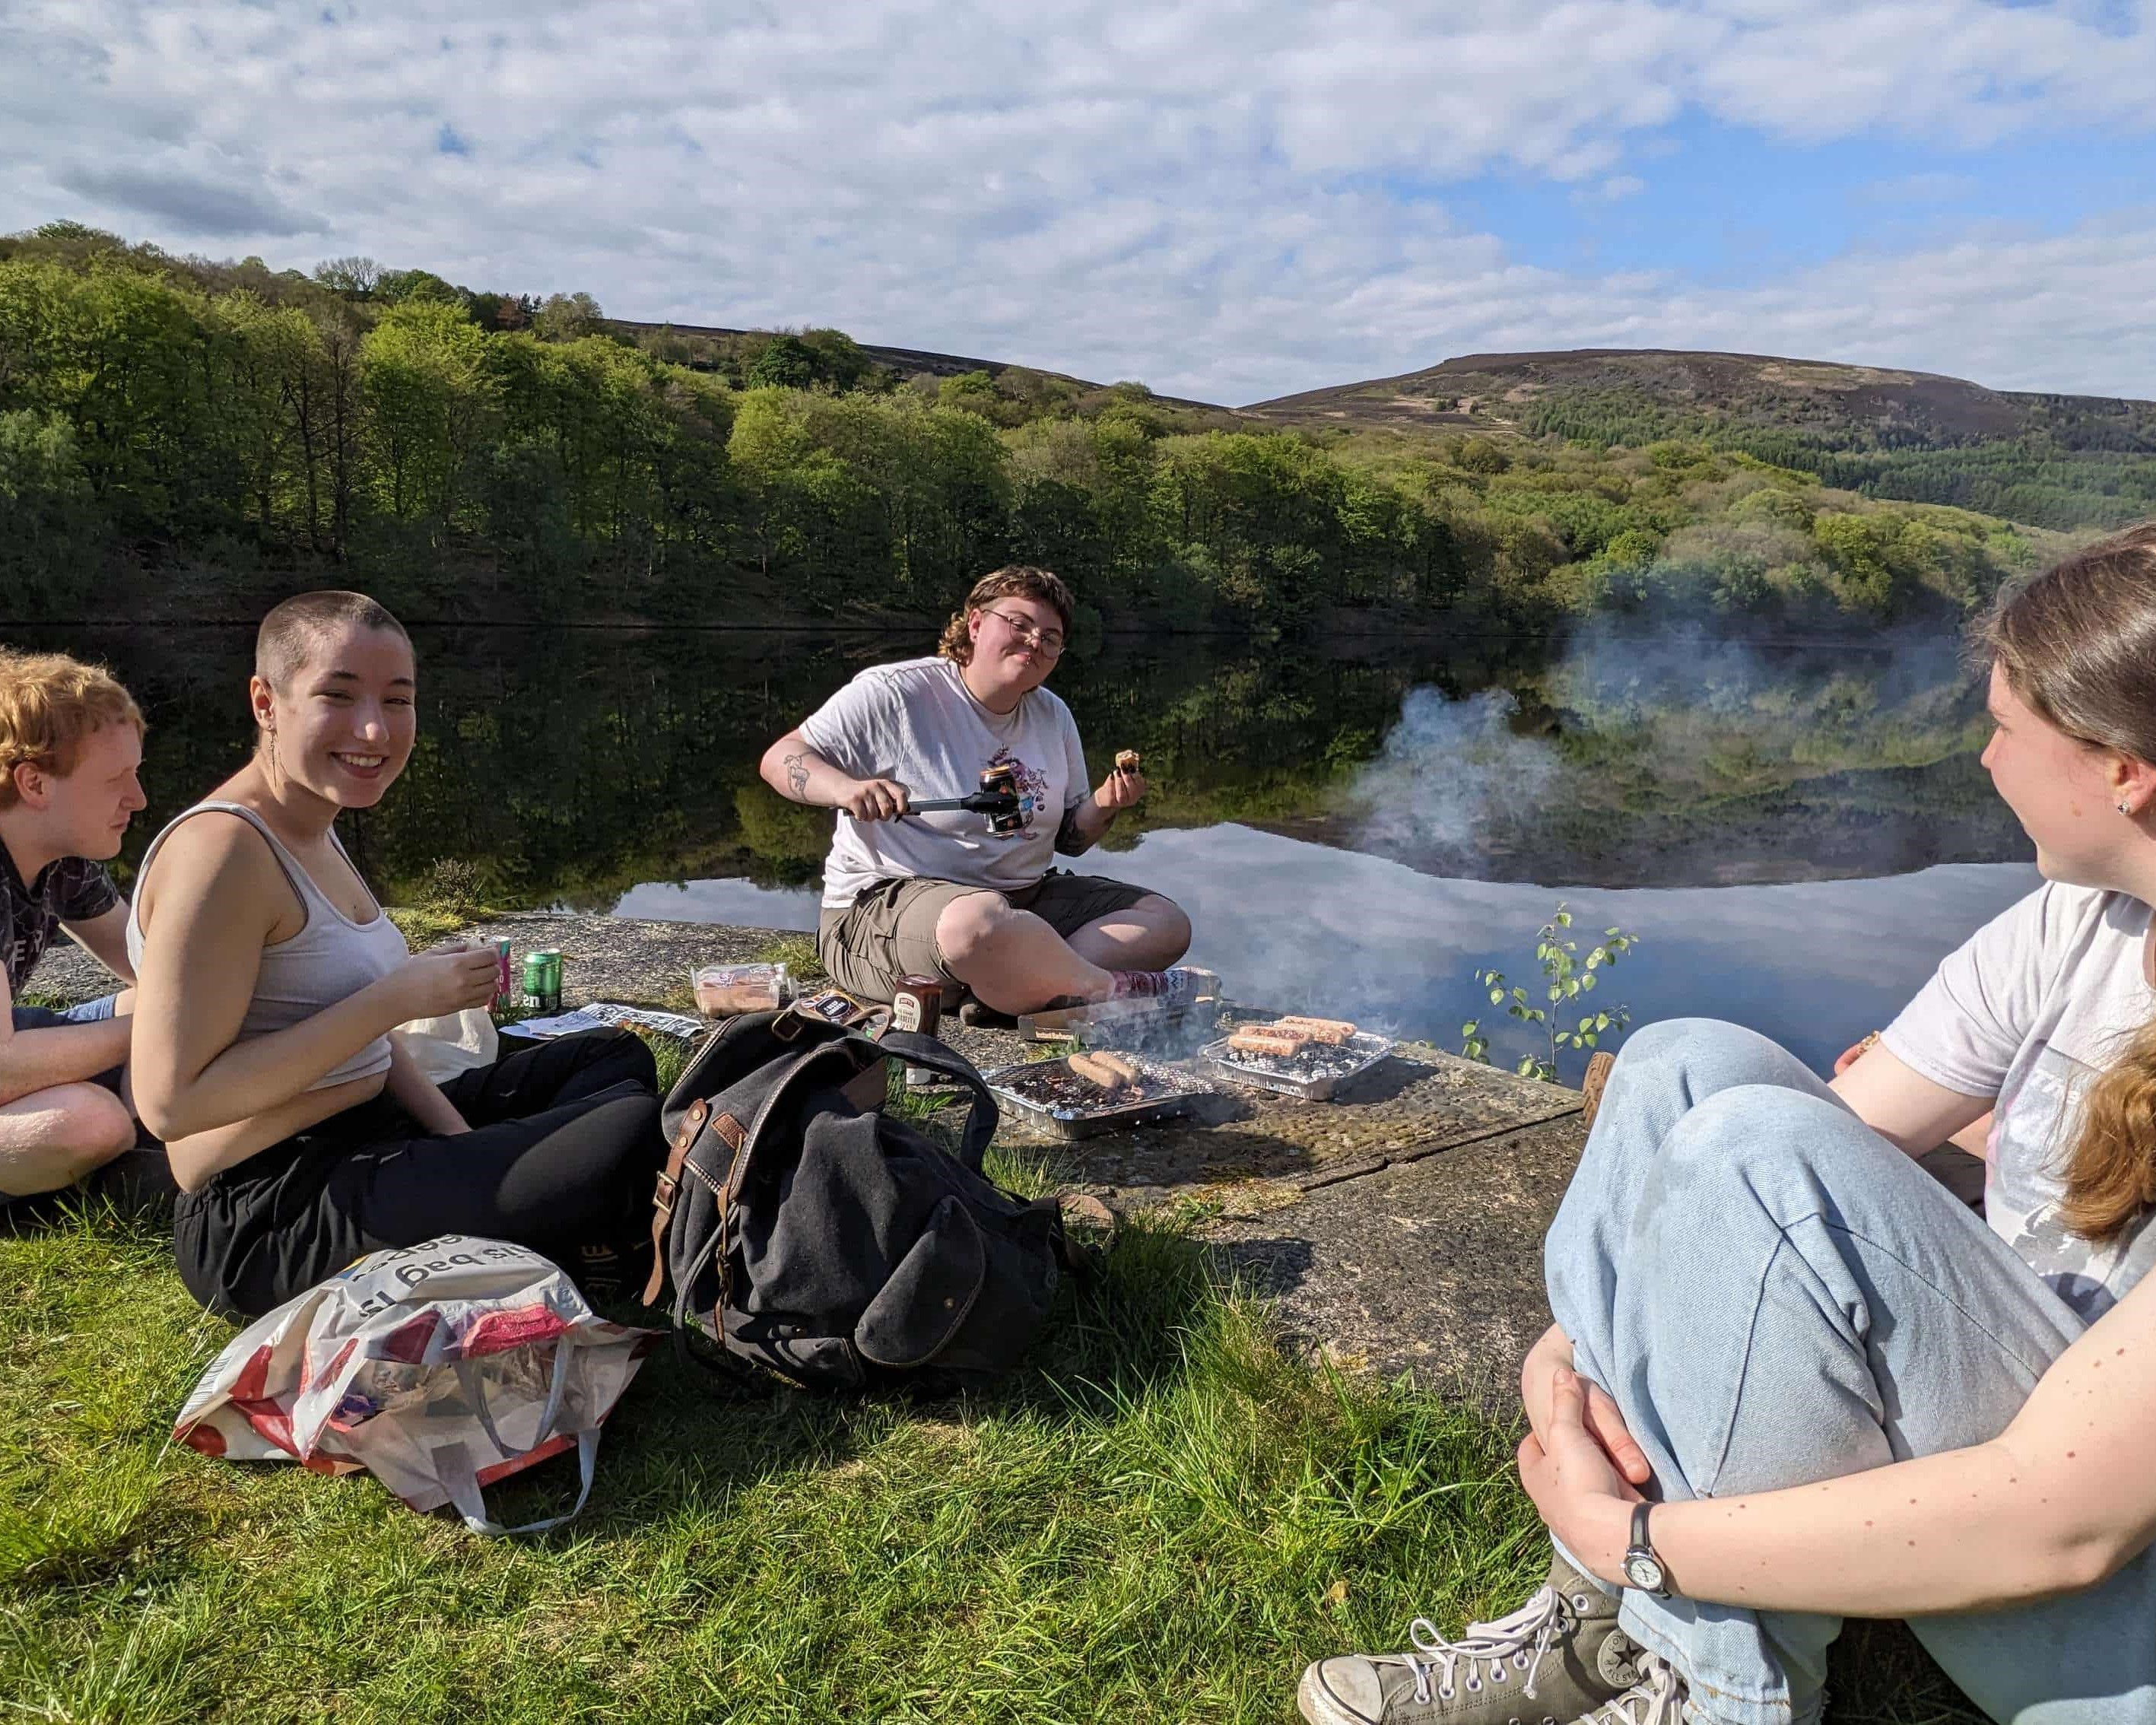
[(331, 958)]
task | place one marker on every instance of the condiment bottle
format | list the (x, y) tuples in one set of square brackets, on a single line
[(916, 1003)]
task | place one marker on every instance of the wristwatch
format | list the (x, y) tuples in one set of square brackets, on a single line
[(1643, 1565)]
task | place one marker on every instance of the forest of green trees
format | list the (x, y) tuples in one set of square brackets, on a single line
[(2080, 463), (177, 431)]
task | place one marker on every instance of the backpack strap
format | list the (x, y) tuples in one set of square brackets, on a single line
[(662, 1201), (982, 1113)]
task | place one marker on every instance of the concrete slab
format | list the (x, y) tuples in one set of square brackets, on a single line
[(1432, 1267), (1415, 1104)]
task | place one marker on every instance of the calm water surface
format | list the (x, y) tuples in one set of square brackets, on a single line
[(1798, 832)]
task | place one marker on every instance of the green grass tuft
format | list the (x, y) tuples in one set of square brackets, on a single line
[(421, 925), (798, 953)]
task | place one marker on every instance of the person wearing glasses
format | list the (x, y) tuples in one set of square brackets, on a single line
[(940, 894)]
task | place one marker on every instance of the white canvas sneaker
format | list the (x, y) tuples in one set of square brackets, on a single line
[(1548, 1663)]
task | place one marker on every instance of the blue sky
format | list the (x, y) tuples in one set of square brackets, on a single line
[(1226, 198)]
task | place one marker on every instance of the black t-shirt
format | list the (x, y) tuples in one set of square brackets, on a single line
[(72, 890)]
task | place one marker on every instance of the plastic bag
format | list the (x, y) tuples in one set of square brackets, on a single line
[(439, 1368), (454, 1043)]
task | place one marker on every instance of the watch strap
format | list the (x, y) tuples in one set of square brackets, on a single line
[(1642, 1546)]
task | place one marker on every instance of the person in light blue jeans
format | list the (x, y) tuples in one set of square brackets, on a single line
[(1771, 1297), (1791, 1378)]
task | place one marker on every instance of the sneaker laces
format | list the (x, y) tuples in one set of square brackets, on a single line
[(1656, 1699), (1523, 1637)]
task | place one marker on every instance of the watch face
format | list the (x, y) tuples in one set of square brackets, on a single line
[(1643, 1572)]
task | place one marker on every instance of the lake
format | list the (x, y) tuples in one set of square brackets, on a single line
[(1796, 830)]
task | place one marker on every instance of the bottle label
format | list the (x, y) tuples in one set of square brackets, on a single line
[(905, 1013)]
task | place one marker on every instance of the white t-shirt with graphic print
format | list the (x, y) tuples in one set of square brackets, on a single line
[(917, 721), (2031, 1009)]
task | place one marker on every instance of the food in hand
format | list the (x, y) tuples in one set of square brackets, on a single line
[(1126, 761), (1275, 1044), (1106, 1071), (1335, 1032)]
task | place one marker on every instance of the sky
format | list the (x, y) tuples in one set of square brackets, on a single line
[(1225, 200)]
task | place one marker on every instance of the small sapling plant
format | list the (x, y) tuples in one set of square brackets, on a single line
[(1567, 976)]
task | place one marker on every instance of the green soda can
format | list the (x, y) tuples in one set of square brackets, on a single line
[(543, 983)]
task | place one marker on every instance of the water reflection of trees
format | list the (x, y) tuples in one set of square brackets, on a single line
[(1687, 760), (572, 764)]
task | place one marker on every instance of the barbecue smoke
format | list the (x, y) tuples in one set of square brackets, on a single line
[(1442, 772), (1685, 757)]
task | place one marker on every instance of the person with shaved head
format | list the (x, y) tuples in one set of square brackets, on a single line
[(303, 1134)]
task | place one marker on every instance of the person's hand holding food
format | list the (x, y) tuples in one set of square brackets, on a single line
[(1123, 788)]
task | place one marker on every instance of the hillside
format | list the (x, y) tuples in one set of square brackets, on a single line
[(701, 344), (186, 436), (2052, 461), (1852, 405)]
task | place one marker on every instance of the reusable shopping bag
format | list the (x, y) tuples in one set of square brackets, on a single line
[(439, 1368)]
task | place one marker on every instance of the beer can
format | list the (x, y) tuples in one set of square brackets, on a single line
[(533, 998), (505, 989), (553, 957)]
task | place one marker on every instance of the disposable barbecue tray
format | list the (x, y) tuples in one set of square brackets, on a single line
[(1313, 1076), (1027, 1091), (1132, 1023)]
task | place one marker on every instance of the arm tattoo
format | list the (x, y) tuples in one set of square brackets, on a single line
[(797, 773), (1068, 841)]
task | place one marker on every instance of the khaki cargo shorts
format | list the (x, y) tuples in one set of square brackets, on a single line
[(890, 931)]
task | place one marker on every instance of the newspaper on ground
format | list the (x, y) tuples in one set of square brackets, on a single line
[(601, 1015)]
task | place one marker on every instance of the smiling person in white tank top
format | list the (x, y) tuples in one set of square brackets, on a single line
[(271, 982)]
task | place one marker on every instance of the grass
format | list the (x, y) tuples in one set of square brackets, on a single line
[(421, 925), (798, 953), (1160, 1519)]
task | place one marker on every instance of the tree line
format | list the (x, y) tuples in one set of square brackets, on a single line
[(2077, 464), (184, 429)]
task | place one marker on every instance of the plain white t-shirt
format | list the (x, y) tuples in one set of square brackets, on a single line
[(2031, 1009), (916, 722)]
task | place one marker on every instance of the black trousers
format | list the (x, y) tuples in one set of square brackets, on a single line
[(563, 1150)]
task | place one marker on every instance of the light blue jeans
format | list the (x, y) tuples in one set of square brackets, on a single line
[(1773, 1294)]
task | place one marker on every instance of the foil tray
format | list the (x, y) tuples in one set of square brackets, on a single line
[(1064, 1122), (1135, 1023), (1222, 1061)]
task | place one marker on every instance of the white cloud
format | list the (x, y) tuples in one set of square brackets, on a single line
[(1204, 196)]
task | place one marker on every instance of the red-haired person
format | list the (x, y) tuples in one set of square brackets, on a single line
[(70, 741), (940, 894)]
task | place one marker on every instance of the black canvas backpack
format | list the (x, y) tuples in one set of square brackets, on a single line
[(807, 1231)]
